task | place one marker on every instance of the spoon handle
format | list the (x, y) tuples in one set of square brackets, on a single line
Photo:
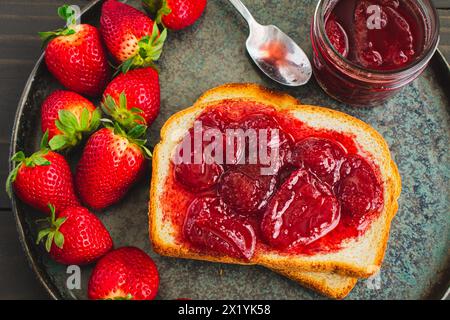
[(243, 11)]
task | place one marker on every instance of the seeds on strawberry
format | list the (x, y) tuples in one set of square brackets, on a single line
[(75, 56), (68, 116), (75, 236), (112, 161), (42, 178), (176, 14), (142, 91), (131, 37), (126, 273)]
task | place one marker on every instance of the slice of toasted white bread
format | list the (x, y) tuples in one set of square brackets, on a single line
[(358, 258), (330, 284)]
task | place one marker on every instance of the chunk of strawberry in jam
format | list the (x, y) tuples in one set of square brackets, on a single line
[(215, 119), (194, 175), (337, 35), (198, 177), (359, 190), (246, 191), (383, 43), (366, 54), (208, 226), (322, 157), (390, 3), (302, 211), (265, 145), (399, 52)]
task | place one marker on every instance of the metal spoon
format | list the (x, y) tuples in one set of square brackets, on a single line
[(274, 52)]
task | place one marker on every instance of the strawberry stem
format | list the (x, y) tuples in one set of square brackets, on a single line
[(73, 129), (136, 135), (157, 8), (68, 14), (150, 49), (127, 118), (52, 234)]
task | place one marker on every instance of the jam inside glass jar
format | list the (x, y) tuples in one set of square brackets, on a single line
[(365, 51)]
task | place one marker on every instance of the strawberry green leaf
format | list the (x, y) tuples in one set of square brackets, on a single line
[(58, 142), (59, 222), (95, 119), (52, 211), (42, 234), (150, 49), (118, 129), (84, 119), (41, 161), (147, 152), (18, 157), (74, 129), (163, 9), (66, 13), (136, 110), (44, 141), (127, 297), (11, 178), (49, 241), (126, 66), (120, 113), (123, 100), (59, 239), (61, 127), (47, 36), (52, 232), (68, 119), (137, 132)]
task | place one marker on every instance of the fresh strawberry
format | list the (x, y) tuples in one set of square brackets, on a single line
[(111, 162), (141, 88), (67, 116), (75, 56), (76, 236), (42, 178), (125, 273), (131, 37), (176, 14)]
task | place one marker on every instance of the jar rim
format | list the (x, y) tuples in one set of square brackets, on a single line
[(420, 61)]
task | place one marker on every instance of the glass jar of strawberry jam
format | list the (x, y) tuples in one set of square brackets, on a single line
[(365, 51)]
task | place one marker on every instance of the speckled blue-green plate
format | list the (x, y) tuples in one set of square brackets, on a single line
[(415, 123)]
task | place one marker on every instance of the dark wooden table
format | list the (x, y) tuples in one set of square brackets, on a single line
[(20, 20)]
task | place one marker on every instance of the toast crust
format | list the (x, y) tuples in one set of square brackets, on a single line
[(290, 267), (331, 285)]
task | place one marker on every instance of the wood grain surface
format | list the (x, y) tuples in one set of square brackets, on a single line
[(20, 20)]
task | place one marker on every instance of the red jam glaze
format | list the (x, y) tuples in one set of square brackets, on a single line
[(391, 44), (240, 189), (323, 157), (303, 210), (337, 35), (209, 226), (358, 190), (197, 176), (244, 193)]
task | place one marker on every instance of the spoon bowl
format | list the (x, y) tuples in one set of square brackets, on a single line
[(274, 52)]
